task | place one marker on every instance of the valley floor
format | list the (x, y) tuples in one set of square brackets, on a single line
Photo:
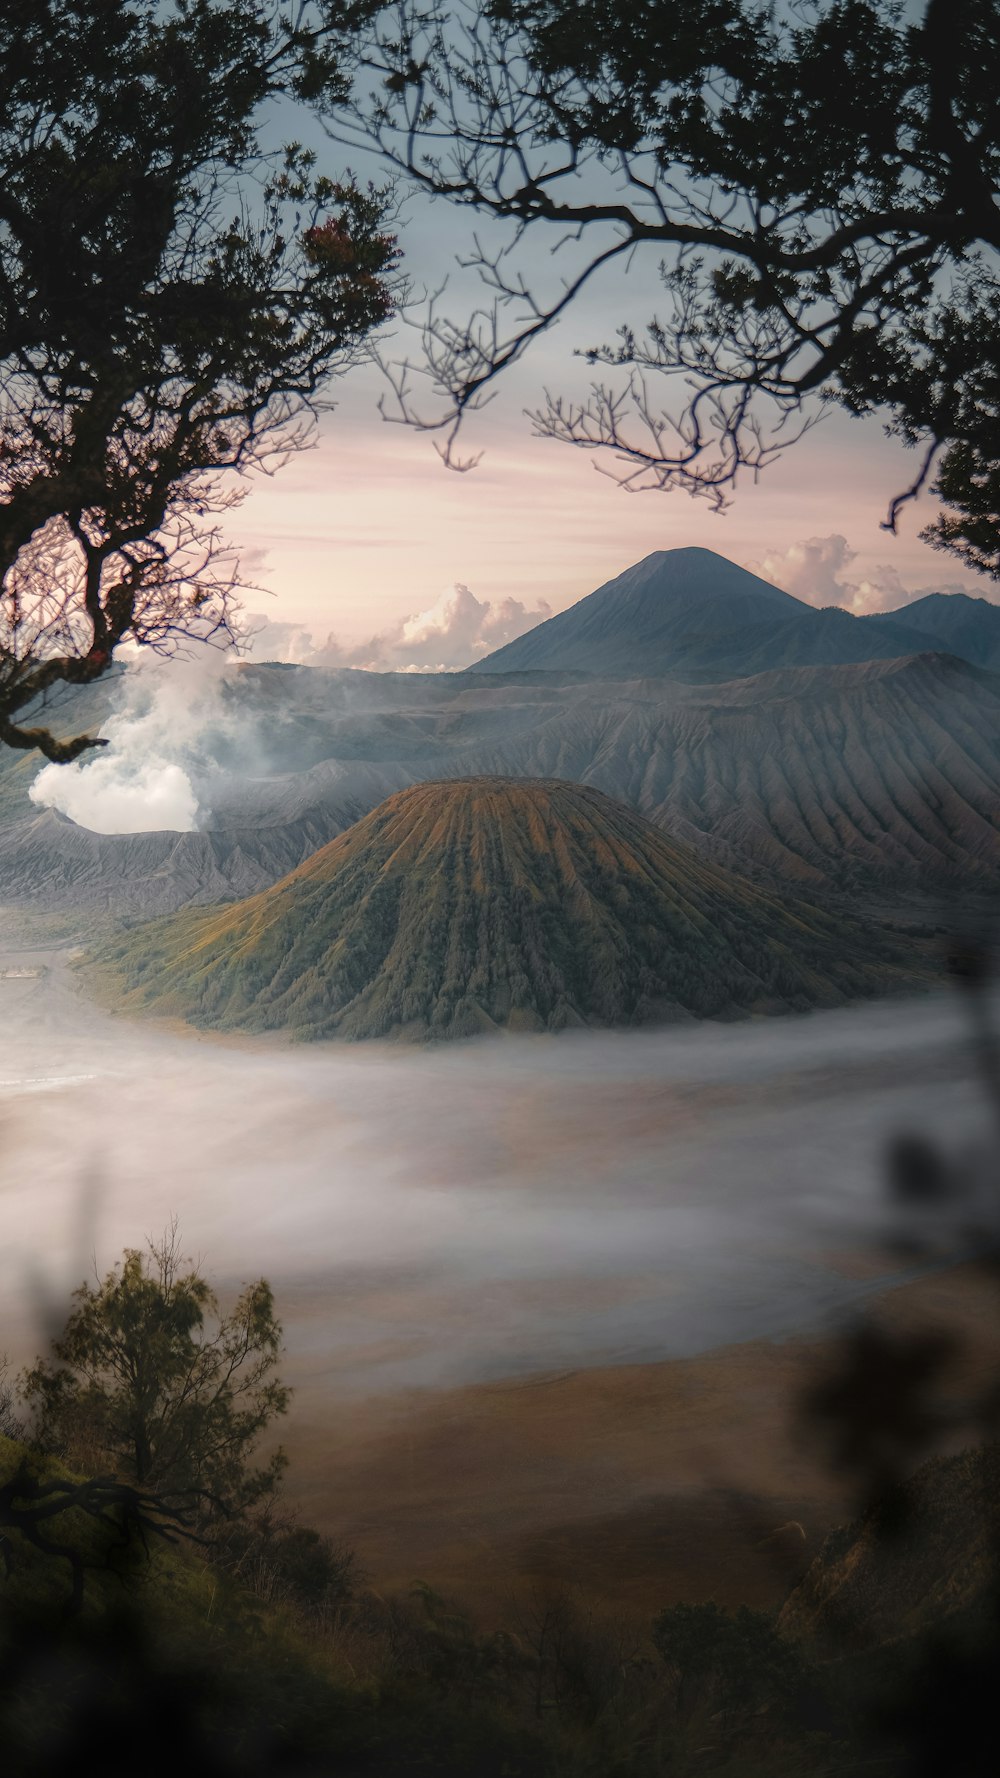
[(630, 1487), (547, 1301)]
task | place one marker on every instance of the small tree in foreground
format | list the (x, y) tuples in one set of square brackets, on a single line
[(151, 1379)]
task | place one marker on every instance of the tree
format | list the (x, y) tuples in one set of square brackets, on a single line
[(817, 183), (173, 300), (151, 1378)]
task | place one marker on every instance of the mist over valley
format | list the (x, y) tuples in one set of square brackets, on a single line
[(708, 1177)]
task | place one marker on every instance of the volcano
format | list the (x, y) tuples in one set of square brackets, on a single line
[(692, 614), (463, 906)]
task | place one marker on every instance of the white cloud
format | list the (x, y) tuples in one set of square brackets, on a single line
[(820, 571), (265, 639), (457, 631), (146, 796)]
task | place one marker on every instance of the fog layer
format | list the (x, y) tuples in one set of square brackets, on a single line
[(477, 1210)]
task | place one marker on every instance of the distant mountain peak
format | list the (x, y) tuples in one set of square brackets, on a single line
[(692, 614), (957, 623), (689, 551), (692, 569), (648, 619)]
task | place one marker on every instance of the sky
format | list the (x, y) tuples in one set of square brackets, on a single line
[(371, 551), (368, 528)]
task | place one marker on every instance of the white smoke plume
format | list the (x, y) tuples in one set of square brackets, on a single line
[(143, 781), (819, 571), (169, 740), (455, 632), (110, 794)]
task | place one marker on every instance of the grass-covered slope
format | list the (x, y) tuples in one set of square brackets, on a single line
[(458, 907), (176, 1665)]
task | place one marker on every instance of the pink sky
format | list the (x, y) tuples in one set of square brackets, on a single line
[(369, 528)]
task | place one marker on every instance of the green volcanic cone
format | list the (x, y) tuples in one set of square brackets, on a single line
[(463, 906)]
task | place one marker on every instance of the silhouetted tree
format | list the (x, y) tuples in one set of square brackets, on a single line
[(172, 301)]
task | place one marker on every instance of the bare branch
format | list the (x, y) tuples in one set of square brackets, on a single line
[(811, 250), (123, 1516)]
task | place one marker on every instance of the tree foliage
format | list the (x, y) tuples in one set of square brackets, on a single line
[(817, 184), (149, 1377), (172, 301)]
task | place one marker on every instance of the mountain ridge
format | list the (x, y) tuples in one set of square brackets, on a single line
[(967, 626), (877, 777)]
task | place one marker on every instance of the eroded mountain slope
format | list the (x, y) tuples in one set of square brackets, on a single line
[(463, 906), (880, 777)]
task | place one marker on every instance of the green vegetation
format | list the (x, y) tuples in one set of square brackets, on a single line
[(459, 907), (266, 1674), (256, 1647), (254, 1663), (138, 1382)]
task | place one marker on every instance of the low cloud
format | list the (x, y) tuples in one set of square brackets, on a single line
[(456, 632), (109, 796), (820, 571), (265, 639)]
